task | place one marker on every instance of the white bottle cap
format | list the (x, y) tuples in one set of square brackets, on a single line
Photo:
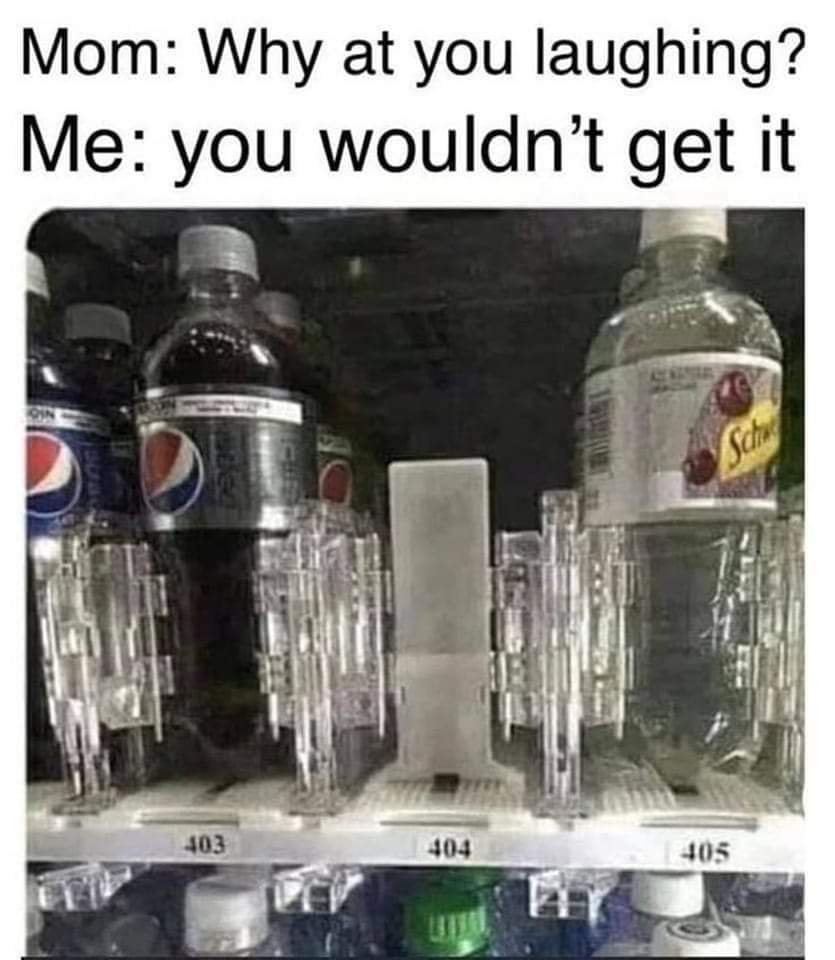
[(281, 309), (36, 276), (96, 321), (225, 914), (672, 895), (693, 938), (660, 225), (216, 247)]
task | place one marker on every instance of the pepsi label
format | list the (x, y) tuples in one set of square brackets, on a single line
[(66, 454), (223, 460), (335, 457)]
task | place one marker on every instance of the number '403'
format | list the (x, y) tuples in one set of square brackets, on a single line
[(206, 844)]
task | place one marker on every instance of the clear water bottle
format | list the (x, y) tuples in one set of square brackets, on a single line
[(640, 902), (766, 912), (227, 915), (680, 437)]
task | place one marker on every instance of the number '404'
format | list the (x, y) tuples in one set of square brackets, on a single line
[(450, 848)]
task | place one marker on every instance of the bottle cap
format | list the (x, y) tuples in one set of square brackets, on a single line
[(36, 276), (672, 895), (131, 935), (443, 922), (96, 321), (216, 247), (693, 938), (660, 225), (281, 309), (225, 914)]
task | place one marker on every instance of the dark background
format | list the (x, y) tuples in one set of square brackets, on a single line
[(451, 333)]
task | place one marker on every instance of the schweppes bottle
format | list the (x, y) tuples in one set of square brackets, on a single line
[(680, 446)]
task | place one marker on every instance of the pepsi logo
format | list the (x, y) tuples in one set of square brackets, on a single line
[(172, 470), (53, 477), (336, 482)]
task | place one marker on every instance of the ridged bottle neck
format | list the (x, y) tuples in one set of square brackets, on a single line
[(680, 258), (219, 286)]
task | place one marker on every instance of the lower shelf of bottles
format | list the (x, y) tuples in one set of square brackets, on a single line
[(631, 824)]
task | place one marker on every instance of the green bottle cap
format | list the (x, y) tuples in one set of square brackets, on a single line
[(443, 922)]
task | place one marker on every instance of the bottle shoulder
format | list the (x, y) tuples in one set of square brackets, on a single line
[(53, 375), (222, 345), (693, 318)]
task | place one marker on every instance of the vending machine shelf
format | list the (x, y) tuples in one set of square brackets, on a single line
[(730, 826)]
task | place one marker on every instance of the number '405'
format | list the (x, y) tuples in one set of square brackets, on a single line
[(707, 852)]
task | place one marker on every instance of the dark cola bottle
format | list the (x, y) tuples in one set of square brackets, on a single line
[(66, 453), (334, 449), (225, 458), (100, 335)]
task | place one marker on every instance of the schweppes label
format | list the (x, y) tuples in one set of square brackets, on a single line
[(691, 432), (749, 442)]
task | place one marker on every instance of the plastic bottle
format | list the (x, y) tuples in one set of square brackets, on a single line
[(444, 921), (225, 458), (121, 927), (66, 435), (348, 932), (100, 335), (334, 451), (66, 452), (680, 444), (228, 916), (159, 892), (640, 902), (766, 911)]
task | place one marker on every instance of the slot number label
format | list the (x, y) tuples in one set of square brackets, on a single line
[(701, 853), (208, 845), (446, 848)]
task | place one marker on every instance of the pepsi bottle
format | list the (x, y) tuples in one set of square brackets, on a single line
[(334, 451), (100, 335), (66, 433), (66, 448), (225, 458)]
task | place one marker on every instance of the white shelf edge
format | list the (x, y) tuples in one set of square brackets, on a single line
[(776, 844)]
